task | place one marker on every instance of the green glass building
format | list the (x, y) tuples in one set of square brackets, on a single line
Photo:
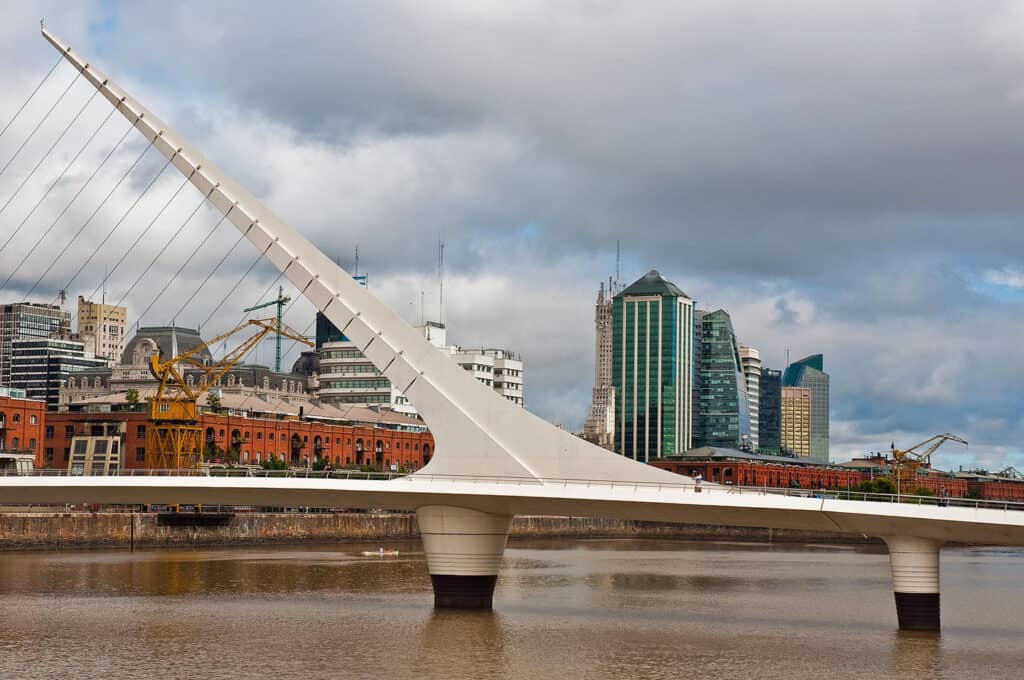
[(810, 372), (652, 368), (723, 416)]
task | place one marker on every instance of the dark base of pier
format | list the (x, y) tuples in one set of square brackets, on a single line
[(918, 611), (463, 592)]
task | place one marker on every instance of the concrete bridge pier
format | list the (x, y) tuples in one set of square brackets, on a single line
[(915, 581), (464, 549)]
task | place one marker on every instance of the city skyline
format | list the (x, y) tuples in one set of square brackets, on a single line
[(880, 248)]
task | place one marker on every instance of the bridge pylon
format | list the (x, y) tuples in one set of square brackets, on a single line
[(464, 548), (915, 581)]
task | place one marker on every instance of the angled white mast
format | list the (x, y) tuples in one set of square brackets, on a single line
[(476, 431)]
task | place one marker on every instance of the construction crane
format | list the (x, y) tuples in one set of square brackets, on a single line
[(174, 438), (907, 461), (280, 302)]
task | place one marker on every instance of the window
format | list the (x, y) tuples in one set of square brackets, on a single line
[(48, 432), (16, 418), (80, 446), (270, 436), (32, 420), (259, 435), (140, 454), (32, 444), (101, 447), (140, 431), (14, 442)]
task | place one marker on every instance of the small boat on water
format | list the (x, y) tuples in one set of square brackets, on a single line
[(380, 553)]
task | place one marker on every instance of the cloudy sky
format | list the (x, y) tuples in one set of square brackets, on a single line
[(844, 178)]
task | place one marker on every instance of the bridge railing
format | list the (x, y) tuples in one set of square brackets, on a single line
[(686, 487), (715, 488), (218, 472)]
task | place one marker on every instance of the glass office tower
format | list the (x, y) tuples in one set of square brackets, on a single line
[(723, 416), (769, 421), (809, 372), (652, 368)]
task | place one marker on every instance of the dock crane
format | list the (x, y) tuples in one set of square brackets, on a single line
[(907, 461), (174, 438)]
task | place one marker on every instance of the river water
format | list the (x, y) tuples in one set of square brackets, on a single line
[(563, 609)]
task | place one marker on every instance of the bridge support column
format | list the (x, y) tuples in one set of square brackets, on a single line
[(464, 549), (915, 581)]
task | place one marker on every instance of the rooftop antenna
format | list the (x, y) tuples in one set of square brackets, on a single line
[(787, 357), (618, 259), (423, 317), (440, 276), (356, 272)]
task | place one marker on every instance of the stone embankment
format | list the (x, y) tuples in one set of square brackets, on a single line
[(78, 530)]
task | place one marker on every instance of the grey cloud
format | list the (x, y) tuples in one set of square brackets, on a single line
[(829, 173)]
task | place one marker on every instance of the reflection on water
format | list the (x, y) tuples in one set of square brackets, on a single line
[(565, 609)]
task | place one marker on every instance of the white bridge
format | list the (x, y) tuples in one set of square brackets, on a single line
[(492, 460)]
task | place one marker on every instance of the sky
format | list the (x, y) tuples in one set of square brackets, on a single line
[(843, 178)]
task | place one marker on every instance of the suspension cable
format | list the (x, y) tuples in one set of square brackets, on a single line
[(40, 123), (156, 257), (116, 225), (38, 87), (184, 264), (39, 164), (102, 203), (141, 236), (208, 277), (259, 300), (53, 224), (233, 288)]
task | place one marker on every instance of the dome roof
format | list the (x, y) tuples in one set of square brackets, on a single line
[(307, 364), (653, 283), (170, 341)]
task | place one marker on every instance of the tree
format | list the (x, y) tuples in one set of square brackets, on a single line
[(132, 397), (274, 463), (212, 400)]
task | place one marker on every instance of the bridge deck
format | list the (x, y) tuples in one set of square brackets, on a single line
[(653, 502)]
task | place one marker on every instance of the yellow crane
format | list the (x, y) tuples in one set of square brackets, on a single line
[(906, 462), (174, 438)]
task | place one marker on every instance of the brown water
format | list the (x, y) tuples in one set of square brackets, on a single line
[(564, 609)]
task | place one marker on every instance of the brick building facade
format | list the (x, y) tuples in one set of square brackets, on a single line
[(21, 423), (753, 473), (250, 440)]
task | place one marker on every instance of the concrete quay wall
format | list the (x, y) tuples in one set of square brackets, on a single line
[(80, 530)]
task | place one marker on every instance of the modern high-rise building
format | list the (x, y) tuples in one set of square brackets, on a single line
[(23, 320), (723, 415), (796, 421), (599, 426), (809, 372), (769, 416), (102, 329), (750, 360), (652, 368), (41, 365)]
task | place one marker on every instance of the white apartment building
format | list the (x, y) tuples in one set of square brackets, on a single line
[(750, 361), (102, 329), (348, 377)]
